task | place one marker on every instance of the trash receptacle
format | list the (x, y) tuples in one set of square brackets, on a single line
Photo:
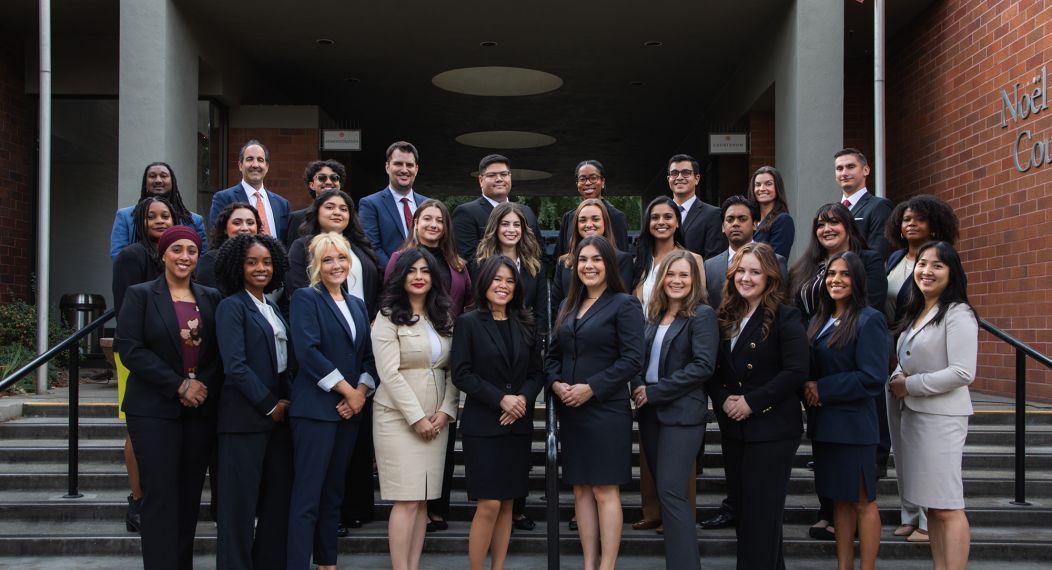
[(78, 311)]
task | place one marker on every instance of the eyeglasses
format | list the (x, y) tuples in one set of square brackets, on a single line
[(687, 173), (495, 175), (591, 178), (323, 178)]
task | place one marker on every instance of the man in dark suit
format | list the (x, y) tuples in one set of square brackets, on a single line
[(387, 216), (591, 182), (870, 212), (320, 175), (699, 221), (740, 218), (254, 162), (469, 219)]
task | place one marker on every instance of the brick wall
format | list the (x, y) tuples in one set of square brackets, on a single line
[(290, 151), (17, 116), (761, 140), (946, 72)]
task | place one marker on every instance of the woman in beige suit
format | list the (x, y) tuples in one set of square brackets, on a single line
[(416, 399), (938, 342)]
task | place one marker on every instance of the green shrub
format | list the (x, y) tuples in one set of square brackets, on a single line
[(18, 325), (14, 356)]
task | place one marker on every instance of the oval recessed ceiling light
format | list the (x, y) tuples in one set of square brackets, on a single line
[(636, 83), (488, 43), (522, 174), (352, 80), (505, 139), (325, 42), (496, 81), (653, 43)]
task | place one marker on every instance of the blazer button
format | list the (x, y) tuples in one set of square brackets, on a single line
[(752, 345), (507, 386), (748, 366), (907, 353)]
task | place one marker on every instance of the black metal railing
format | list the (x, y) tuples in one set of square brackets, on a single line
[(71, 344), (551, 456), (1022, 351)]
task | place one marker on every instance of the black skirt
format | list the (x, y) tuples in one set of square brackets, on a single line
[(595, 443), (838, 467), (498, 467)]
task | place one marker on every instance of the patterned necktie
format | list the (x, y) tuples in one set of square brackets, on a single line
[(262, 212)]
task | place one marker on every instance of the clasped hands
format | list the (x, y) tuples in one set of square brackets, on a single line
[(353, 399), (193, 393), (897, 386), (512, 408), (572, 395), (429, 428), (737, 408)]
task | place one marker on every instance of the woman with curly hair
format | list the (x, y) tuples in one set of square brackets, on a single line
[(333, 211), (416, 399), (763, 362), (158, 180), (237, 218), (255, 445), (775, 227)]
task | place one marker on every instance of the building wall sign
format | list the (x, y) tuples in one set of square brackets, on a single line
[(728, 143), (332, 139), (1017, 107)]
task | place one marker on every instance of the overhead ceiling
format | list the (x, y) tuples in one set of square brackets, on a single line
[(621, 101)]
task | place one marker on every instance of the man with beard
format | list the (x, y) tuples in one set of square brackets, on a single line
[(387, 216), (157, 180)]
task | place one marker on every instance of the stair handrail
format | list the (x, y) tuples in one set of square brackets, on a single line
[(1022, 351), (551, 454), (70, 343)]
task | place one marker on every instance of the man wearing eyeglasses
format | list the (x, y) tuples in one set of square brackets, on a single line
[(700, 222), (591, 183), (469, 219), (320, 175)]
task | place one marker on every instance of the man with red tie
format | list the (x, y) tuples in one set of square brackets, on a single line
[(387, 216), (254, 162), (870, 212)]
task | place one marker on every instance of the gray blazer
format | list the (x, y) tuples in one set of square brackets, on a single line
[(716, 275), (688, 358), (939, 362)]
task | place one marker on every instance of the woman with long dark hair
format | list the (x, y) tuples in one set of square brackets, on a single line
[(763, 363), (137, 263), (158, 180), (497, 364), (596, 349), (775, 226), (433, 230), (849, 356), (507, 233), (937, 351), (679, 357), (167, 338), (236, 218), (331, 338), (416, 400), (333, 211), (255, 444)]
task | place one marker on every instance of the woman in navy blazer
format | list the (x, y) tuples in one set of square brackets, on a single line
[(681, 341), (496, 356), (775, 226), (255, 445), (166, 337), (849, 363), (330, 335), (595, 351), (755, 394)]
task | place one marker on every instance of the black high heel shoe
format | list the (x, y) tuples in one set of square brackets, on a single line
[(436, 525)]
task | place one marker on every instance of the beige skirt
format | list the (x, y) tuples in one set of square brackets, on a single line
[(929, 459), (410, 468)]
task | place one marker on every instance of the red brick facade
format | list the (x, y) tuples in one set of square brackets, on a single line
[(945, 137), (761, 140), (16, 164), (290, 151)]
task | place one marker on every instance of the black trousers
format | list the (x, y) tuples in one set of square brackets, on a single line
[(758, 481), (173, 455), (358, 497), (255, 479), (884, 446)]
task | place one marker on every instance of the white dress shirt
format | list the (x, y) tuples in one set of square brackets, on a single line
[(268, 213)]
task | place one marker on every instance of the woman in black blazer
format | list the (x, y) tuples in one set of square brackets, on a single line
[(237, 218), (137, 263), (330, 335), (833, 230), (166, 337), (681, 341), (497, 363), (596, 350), (763, 363), (255, 445), (333, 211), (590, 219), (849, 363)]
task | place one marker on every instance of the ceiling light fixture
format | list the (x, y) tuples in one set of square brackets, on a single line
[(653, 43), (325, 42), (488, 43), (636, 83)]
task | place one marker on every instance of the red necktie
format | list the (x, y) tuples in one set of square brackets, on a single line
[(408, 216), (847, 204)]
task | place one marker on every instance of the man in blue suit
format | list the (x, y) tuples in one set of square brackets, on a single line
[(254, 162), (387, 216)]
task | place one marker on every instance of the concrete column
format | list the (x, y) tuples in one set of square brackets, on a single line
[(809, 109), (157, 97)]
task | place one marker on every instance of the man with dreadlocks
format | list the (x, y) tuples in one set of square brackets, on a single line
[(158, 180)]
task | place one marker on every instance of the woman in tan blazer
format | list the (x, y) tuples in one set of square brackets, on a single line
[(416, 399), (938, 343)]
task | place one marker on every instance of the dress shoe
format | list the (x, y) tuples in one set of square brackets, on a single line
[(646, 524), (524, 522), (436, 525), (660, 529), (342, 531), (133, 519), (904, 530), (821, 533), (573, 524), (721, 520)]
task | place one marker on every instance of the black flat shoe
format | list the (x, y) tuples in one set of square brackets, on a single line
[(524, 522), (573, 524), (342, 531), (721, 520), (822, 533), (435, 526)]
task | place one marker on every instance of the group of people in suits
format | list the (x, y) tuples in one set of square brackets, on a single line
[(274, 358)]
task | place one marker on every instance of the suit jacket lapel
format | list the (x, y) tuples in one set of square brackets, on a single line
[(261, 322), (336, 311), (677, 326), (692, 213), (601, 302), (912, 331), (857, 210), (750, 327), (393, 210), (491, 329)]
